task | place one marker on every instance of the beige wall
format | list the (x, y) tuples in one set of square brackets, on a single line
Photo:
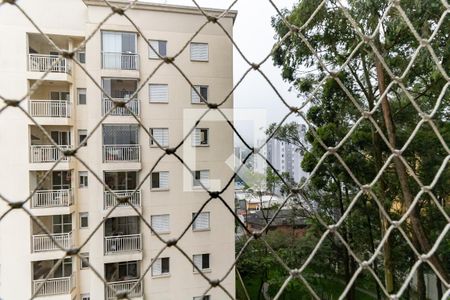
[(176, 28)]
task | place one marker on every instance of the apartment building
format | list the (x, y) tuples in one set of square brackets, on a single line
[(71, 202)]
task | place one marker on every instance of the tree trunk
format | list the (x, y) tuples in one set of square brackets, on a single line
[(417, 229), (377, 153)]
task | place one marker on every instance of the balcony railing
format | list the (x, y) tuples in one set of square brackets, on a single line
[(47, 153), (44, 242), (49, 108), (122, 286), (54, 286), (133, 105), (120, 61), (43, 62), (113, 153), (122, 243), (52, 198), (110, 200)]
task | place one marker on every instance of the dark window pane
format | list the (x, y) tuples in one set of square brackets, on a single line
[(162, 48), (165, 266), (204, 92), (205, 261), (155, 180)]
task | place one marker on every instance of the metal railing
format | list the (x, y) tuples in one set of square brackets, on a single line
[(122, 286), (52, 198), (47, 153), (120, 61), (115, 153), (54, 286), (132, 105), (43, 62), (45, 242), (123, 243), (49, 108), (109, 199)]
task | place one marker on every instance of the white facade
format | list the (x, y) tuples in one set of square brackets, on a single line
[(71, 202)]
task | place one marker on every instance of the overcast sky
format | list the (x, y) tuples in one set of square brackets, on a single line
[(255, 37)]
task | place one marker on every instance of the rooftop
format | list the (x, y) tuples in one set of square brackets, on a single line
[(164, 7)]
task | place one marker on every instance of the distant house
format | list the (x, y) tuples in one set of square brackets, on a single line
[(287, 221)]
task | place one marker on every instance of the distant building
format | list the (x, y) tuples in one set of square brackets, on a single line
[(288, 221), (286, 157)]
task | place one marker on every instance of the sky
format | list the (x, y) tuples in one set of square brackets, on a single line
[(255, 36)]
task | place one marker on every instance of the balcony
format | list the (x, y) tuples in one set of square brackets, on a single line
[(121, 153), (123, 243), (62, 281), (44, 242), (122, 286), (52, 198), (44, 62), (47, 153), (110, 200), (49, 108), (120, 61), (132, 105), (54, 286)]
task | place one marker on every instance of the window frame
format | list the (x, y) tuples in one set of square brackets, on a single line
[(158, 101), (86, 256), (150, 51), (81, 216), (202, 268), (199, 88), (194, 179), (159, 188), (201, 229), (83, 141), (168, 222), (207, 51), (153, 144), (81, 91), (194, 137), (84, 174), (162, 274)]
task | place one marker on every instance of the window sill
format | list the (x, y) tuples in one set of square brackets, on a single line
[(203, 271), (161, 276), (199, 103), (156, 146), (201, 230), (159, 189), (161, 233), (201, 145), (158, 102), (198, 60)]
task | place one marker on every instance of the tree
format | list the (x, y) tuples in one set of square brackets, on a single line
[(364, 81)]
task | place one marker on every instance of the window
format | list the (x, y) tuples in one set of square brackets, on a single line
[(82, 135), (199, 52), (201, 176), (201, 222), (206, 297), (160, 48), (203, 91), (160, 180), (200, 137), (84, 220), (161, 223), (201, 261), (81, 55), (119, 50), (121, 181), (161, 266), (81, 96), (158, 93), (120, 134), (85, 297), (83, 264), (62, 223), (83, 179), (161, 135)]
